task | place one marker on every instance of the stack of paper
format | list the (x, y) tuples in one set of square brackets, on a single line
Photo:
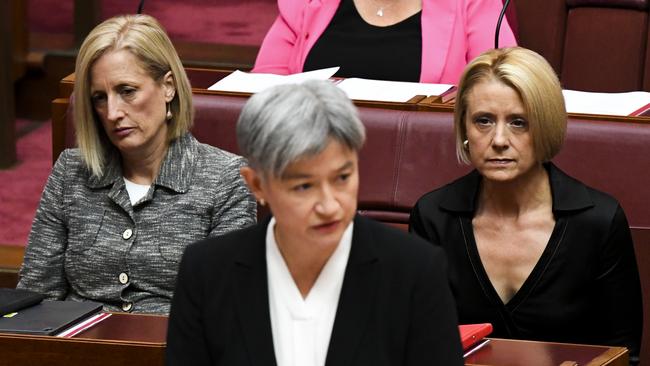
[(389, 91), (245, 82), (616, 104), (355, 88)]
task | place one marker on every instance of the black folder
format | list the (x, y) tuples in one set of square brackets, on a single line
[(49, 317), (14, 299)]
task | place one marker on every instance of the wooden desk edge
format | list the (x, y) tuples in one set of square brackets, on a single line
[(614, 356), (82, 340), (611, 356), (418, 102), (11, 256), (59, 113)]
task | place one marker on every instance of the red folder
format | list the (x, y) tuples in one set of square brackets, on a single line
[(643, 111), (471, 334)]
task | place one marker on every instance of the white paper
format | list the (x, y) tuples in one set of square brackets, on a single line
[(76, 329), (616, 104), (245, 82), (388, 91)]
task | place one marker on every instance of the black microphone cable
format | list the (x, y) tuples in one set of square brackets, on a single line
[(140, 7), (498, 30)]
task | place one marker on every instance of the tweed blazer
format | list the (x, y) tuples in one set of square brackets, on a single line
[(89, 243)]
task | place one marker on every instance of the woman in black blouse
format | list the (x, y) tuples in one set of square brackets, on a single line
[(532, 251)]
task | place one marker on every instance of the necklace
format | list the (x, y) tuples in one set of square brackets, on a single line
[(380, 11)]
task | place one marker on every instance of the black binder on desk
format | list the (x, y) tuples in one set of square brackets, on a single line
[(49, 317), (15, 299)]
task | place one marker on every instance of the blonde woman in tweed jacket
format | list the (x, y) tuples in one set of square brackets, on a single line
[(117, 213)]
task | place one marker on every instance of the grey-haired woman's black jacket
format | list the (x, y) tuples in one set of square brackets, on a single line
[(395, 307)]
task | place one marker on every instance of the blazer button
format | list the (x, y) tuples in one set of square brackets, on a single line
[(124, 278), (127, 306), (126, 235)]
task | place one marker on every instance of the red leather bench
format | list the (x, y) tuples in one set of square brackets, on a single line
[(594, 45), (408, 153)]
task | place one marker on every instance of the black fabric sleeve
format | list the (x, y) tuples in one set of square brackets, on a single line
[(420, 223), (620, 306), (433, 334), (186, 344)]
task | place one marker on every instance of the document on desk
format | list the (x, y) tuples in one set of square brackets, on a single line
[(615, 104), (248, 82), (49, 317), (389, 91), (80, 327)]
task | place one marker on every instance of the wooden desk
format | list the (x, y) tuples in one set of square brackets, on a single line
[(504, 352), (140, 340), (121, 339)]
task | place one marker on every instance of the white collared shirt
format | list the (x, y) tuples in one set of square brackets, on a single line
[(302, 328), (136, 191)]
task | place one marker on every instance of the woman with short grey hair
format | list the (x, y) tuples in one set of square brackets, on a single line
[(303, 120), (315, 283)]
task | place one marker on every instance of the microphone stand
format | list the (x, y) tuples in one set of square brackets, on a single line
[(498, 30)]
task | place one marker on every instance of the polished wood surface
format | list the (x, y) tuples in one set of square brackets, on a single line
[(140, 340), (7, 75), (505, 352), (131, 328), (202, 78), (11, 258), (121, 339)]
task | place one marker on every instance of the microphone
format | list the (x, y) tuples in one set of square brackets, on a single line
[(498, 30), (140, 7)]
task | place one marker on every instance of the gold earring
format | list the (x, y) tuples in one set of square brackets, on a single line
[(169, 112), (466, 144)]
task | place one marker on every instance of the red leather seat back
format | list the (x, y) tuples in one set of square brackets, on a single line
[(409, 153), (593, 45), (613, 157)]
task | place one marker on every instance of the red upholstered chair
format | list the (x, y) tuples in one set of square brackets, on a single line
[(594, 45)]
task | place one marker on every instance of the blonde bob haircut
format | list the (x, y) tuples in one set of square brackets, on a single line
[(537, 85), (145, 38)]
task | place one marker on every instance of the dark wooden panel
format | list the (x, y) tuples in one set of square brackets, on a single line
[(7, 116), (86, 17)]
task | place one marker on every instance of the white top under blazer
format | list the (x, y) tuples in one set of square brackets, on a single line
[(302, 328)]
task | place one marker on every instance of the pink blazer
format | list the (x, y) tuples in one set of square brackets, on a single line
[(453, 33)]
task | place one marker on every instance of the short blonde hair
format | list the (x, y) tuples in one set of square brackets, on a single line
[(534, 80), (145, 38)]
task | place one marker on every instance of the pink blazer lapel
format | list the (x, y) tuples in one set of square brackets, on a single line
[(438, 28)]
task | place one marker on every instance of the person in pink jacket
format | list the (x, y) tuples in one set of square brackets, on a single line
[(413, 40)]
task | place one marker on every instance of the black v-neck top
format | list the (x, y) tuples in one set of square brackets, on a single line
[(367, 51), (585, 287)]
